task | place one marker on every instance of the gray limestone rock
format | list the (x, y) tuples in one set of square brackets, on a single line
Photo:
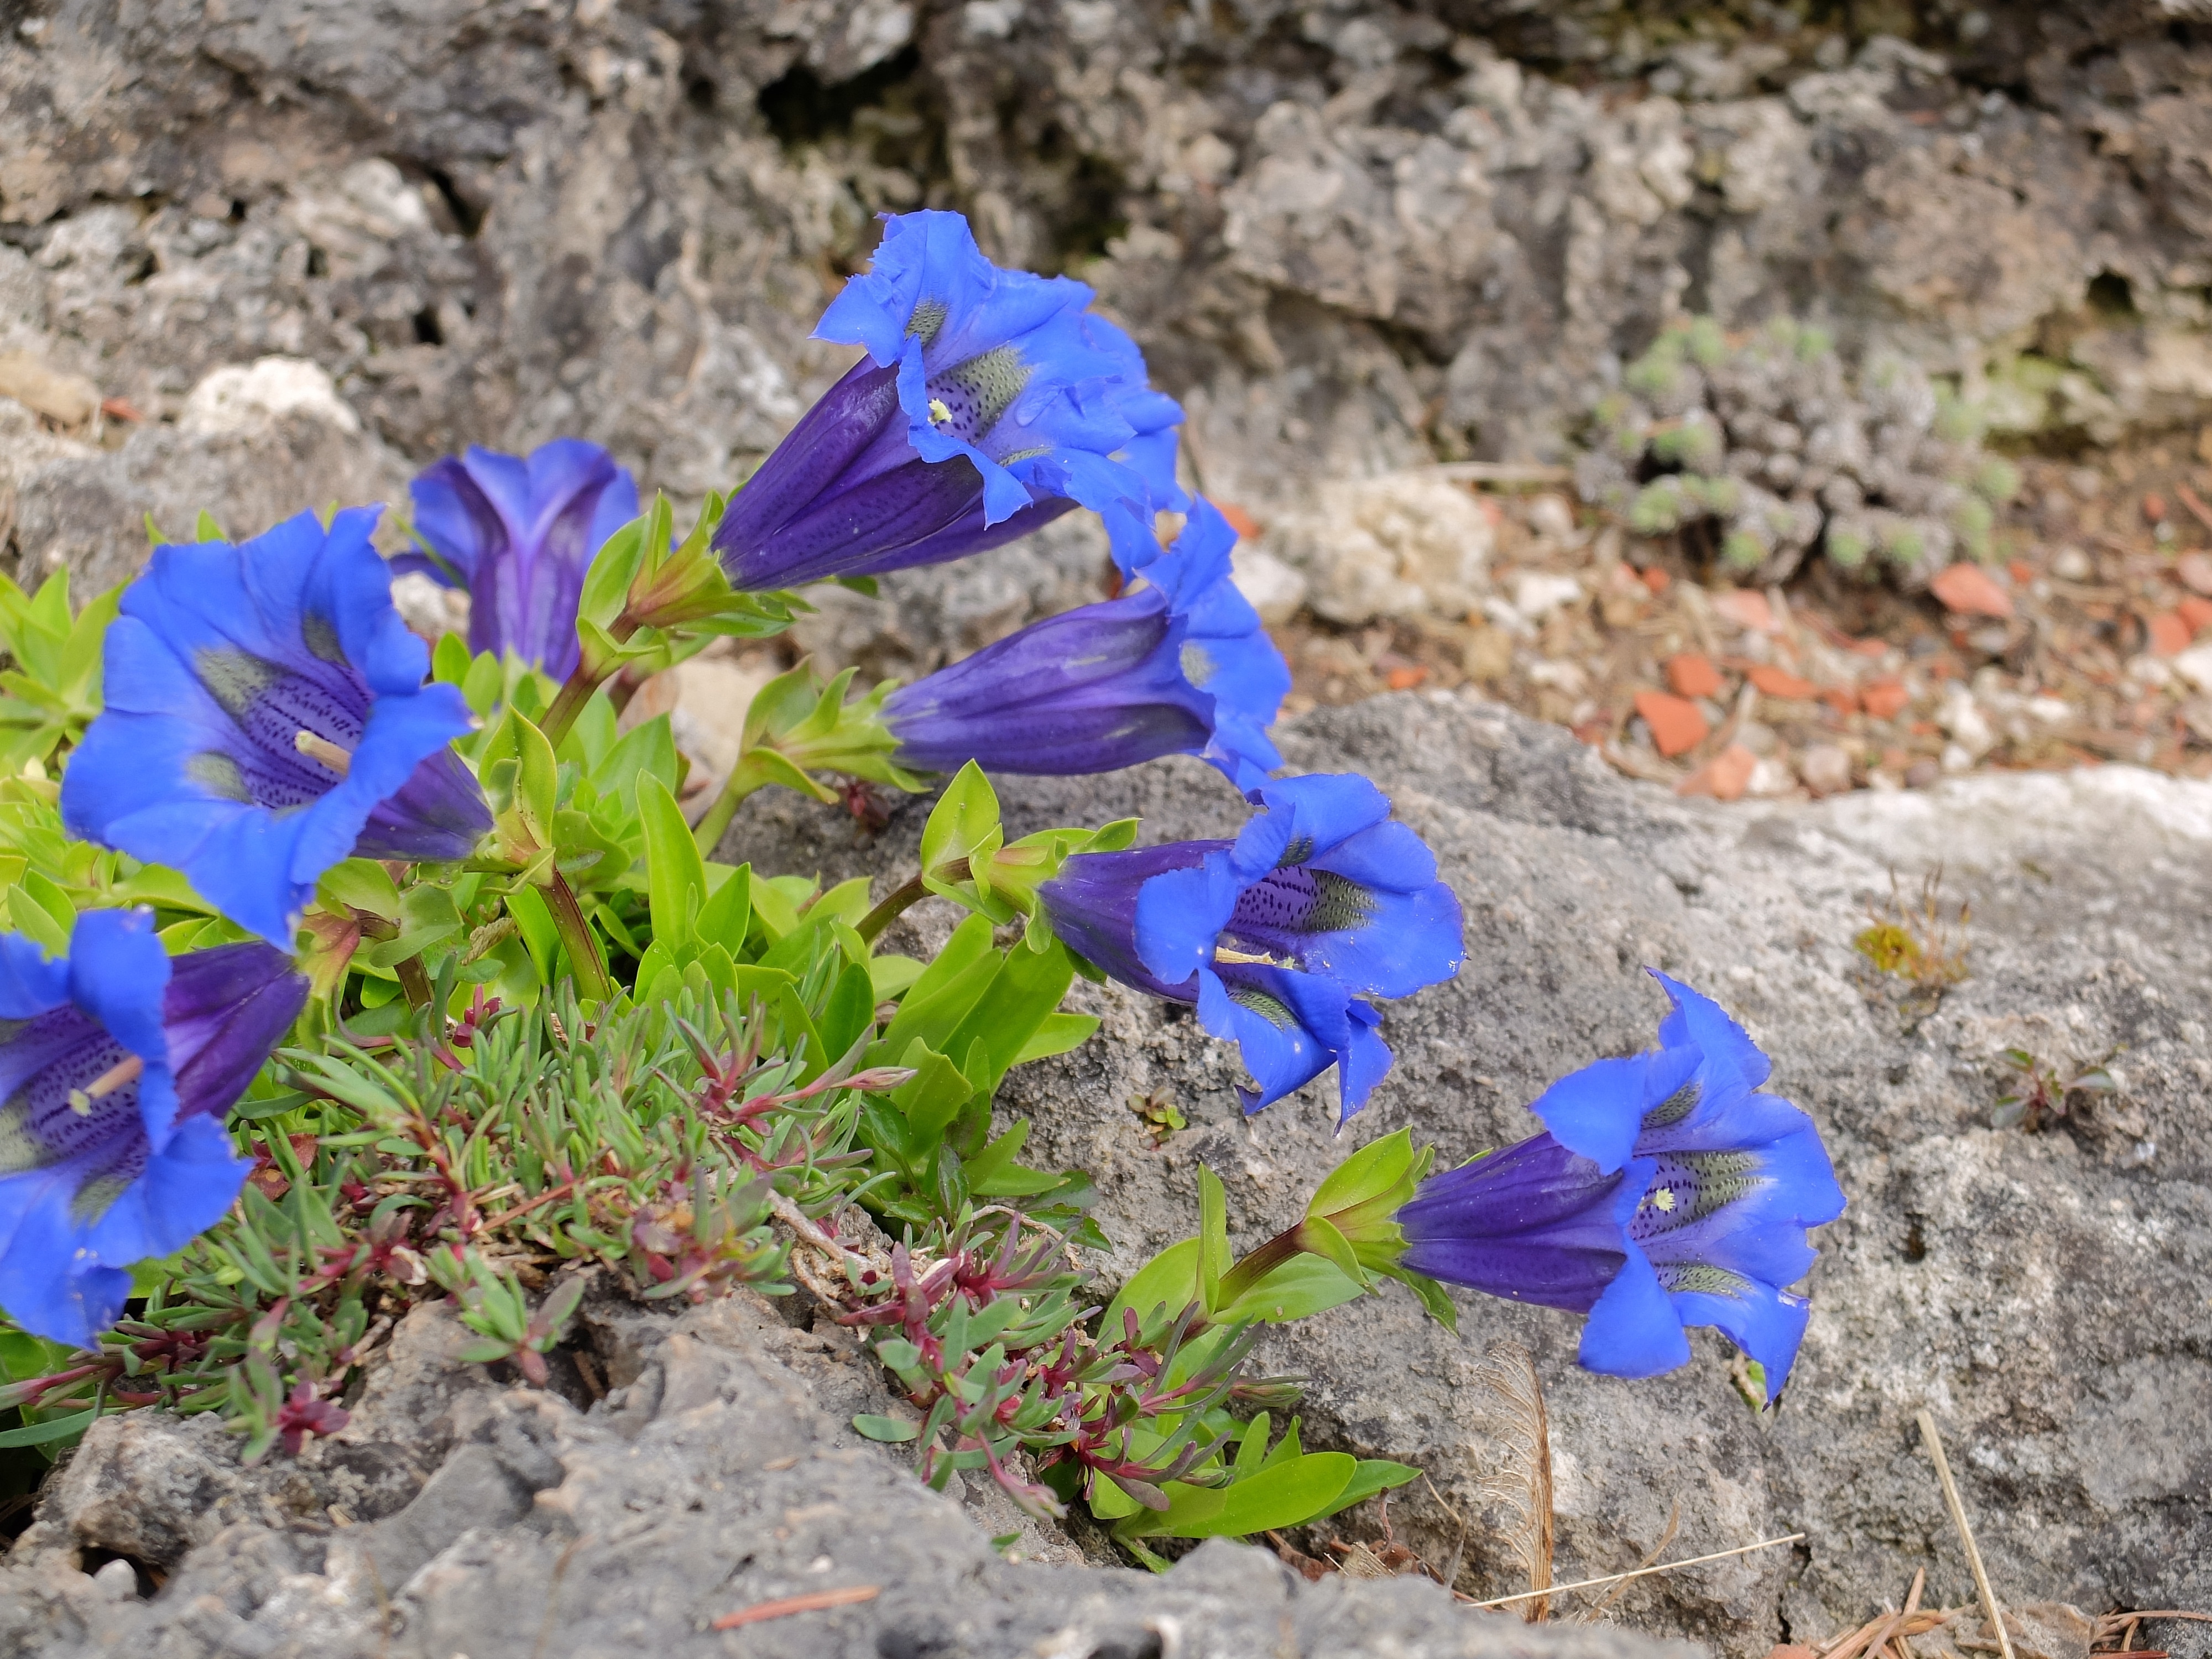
[(2041, 1294), (714, 1474), (1352, 238)]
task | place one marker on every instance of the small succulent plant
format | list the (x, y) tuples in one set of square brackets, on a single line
[(1763, 444)]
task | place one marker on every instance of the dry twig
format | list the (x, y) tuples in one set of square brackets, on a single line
[(1996, 1614), (1641, 1572), (812, 1602), (1674, 1524)]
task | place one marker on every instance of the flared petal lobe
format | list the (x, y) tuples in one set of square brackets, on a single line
[(1736, 1176), (116, 1070), (1323, 881), (265, 718), (1111, 685), (517, 532), (989, 400), (1268, 934)]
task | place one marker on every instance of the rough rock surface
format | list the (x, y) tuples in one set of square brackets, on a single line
[(2043, 1295), (452, 1515), (1352, 236)]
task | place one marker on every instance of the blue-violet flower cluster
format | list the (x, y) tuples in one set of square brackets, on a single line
[(267, 717), (117, 1065), (990, 403), (1178, 665), (1278, 937), (517, 532), (1668, 1190)]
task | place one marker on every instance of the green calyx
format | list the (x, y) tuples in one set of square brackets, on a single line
[(649, 602)]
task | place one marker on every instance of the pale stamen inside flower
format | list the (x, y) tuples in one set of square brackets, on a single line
[(939, 415), (129, 1069), (323, 751), (1222, 953)]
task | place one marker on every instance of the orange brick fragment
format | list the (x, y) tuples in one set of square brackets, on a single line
[(2169, 634), (1884, 699), (1778, 682), (1971, 590), (1405, 679), (2021, 571), (1724, 777), (1241, 522), (1746, 608), (1693, 676), (2198, 613), (1676, 724), (1657, 579)]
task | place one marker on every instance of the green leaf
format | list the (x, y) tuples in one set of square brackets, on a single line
[(849, 1011), (676, 875), (363, 884), (608, 577), (946, 990), (1285, 1494), (963, 824), (427, 917), (1166, 1284), (1319, 1236), (893, 976), (53, 1429), (1252, 1447), (449, 660), (1373, 1475), (776, 902), (1020, 997), (889, 1429), (729, 913), (931, 1098), (1214, 1257), (28, 916), (1296, 1289), (1056, 1035), (1370, 1171)]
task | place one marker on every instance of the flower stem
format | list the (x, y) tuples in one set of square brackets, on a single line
[(413, 981), (576, 691), (904, 897), (1261, 1262), (745, 777), (590, 968)]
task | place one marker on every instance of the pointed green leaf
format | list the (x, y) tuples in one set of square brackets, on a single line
[(676, 875)]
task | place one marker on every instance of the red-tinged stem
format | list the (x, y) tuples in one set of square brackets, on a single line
[(904, 898), (576, 691), (585, 961)]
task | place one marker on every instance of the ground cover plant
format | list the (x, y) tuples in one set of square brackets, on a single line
[(341, 973)]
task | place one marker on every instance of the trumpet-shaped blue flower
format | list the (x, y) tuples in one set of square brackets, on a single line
[(1534, 1223), (1667, 1191), (1320, 881), (1179, 664), (117, 1067), (1278, 936), (518, 533), (265, 718), (990, 403)]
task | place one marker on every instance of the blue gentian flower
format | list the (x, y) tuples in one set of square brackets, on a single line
[(1534, 1223), (990, 402), (265, 718), (517, 532), (117, 1066), (1179, 664), (1278, 936), (1667, 1191)]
